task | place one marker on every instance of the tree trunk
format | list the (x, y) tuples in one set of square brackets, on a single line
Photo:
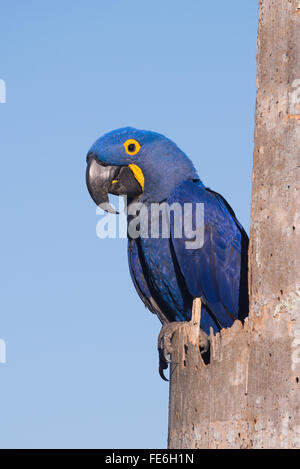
[(248, 396)]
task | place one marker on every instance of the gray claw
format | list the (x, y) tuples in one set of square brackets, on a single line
[(163, 365), (165, 348)]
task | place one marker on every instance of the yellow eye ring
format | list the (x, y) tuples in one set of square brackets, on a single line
[(132, 146)]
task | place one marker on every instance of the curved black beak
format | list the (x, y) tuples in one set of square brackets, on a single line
[(102, 179), (98, 180)]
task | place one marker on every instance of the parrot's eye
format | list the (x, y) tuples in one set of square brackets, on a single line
[(132, 146)]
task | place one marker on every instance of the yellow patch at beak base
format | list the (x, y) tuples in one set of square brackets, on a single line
[(138, 174)]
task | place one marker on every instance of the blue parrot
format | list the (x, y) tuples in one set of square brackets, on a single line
[(167, 273)]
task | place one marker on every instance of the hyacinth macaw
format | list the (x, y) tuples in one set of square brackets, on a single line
[(149, 168)]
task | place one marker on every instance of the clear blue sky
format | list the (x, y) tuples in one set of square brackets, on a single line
[(81, 365)]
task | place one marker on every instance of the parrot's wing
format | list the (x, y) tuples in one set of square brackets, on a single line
[(139, 281), (216, 271)]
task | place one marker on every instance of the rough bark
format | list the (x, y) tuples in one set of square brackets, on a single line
[(274, 365), (248, 396)]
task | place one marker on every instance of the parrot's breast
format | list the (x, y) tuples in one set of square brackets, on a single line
[(164, 278)]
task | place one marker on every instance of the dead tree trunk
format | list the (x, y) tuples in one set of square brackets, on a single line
[(248, 396)]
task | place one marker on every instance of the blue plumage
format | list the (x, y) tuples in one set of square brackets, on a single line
[(166, 275), (163, 269)]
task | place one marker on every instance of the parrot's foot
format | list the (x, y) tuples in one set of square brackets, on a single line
[(165, 349), (164, 345)]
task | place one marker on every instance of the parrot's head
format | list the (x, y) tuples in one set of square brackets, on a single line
[(137, 163)]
